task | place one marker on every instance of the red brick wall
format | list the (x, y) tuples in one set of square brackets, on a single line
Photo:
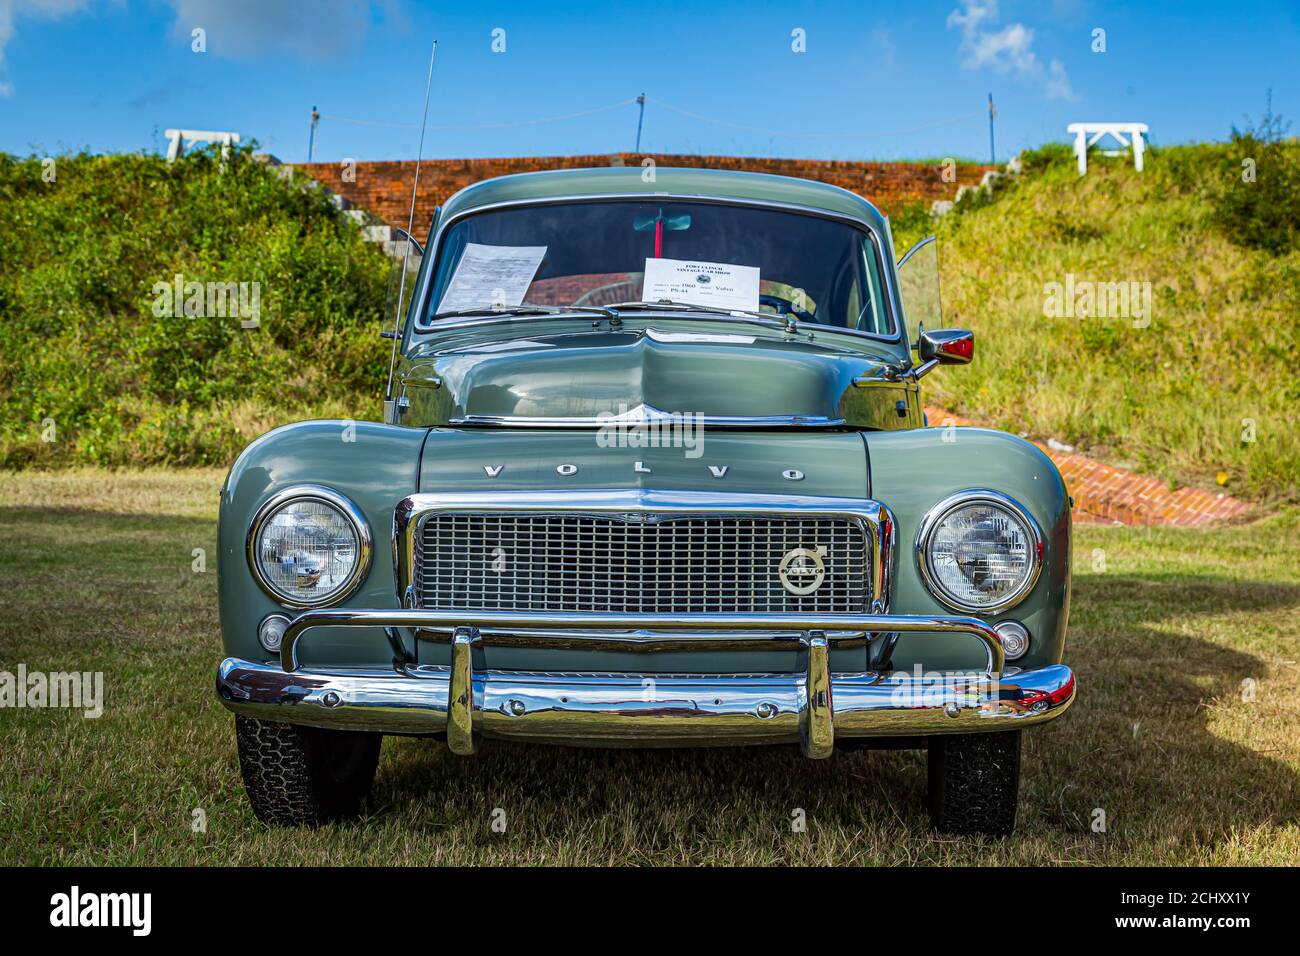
[(384, 188)]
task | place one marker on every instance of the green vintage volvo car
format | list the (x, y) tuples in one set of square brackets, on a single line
[(654, 471)]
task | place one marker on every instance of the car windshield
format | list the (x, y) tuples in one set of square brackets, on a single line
[(711, 255)]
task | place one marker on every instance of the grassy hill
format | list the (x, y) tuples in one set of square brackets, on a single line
[(1205, 393), (90, 374)]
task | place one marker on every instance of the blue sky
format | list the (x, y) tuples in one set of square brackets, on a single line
[(876, 80)]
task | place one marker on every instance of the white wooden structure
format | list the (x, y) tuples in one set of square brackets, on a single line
[(183, 139), (1126, 134)]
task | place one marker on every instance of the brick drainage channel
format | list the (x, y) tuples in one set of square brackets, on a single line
[(1104, 494)]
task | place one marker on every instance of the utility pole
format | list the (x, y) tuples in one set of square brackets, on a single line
[(641, 103), (311, 136), (992, 113)]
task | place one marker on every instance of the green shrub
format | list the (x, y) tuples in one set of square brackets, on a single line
[(86, 361), (1257, 195), (1049, 156)]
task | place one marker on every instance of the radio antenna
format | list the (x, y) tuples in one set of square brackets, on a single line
[(410, 226)]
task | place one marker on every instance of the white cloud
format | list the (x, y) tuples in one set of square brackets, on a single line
[(1058, 84), (321, 30), (1005, 50), (885, 46), (11, 11), (974, 13)]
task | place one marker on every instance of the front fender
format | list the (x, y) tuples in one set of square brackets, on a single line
[(374, 465), (911, 471)]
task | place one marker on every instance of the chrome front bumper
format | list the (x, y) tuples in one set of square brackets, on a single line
[(811, 707)]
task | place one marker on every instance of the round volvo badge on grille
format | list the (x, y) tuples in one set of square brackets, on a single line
[(802, 570)]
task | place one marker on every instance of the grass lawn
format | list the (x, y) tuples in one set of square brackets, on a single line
[(96, 575)]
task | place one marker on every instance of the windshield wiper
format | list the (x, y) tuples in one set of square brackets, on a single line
[(611, 312), (511, 311), (670, 305)]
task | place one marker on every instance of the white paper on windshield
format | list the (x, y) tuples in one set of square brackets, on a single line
[(715, 284), (491, 277)]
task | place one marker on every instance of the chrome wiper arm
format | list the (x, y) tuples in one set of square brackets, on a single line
[(668, 305), (522, 310)]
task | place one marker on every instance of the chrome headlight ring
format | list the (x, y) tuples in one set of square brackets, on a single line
[(347, 509), (935, 516)]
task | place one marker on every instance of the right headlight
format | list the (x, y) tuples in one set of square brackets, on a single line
[(979, 551), (309, 546)]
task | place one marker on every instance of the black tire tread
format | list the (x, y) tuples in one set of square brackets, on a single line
[(298, 776), (974, 782)]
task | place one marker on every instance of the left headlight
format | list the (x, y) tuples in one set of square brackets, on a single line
[(979, 551), (309, 546)]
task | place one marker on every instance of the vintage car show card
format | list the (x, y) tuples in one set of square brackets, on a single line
[(701, 283)]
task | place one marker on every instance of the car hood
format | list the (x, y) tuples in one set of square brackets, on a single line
[(733, 374)]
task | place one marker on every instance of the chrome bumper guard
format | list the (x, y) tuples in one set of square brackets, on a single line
[(810, 707)]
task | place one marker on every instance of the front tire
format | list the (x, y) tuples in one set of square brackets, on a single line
[(304, 776), (974, 782)]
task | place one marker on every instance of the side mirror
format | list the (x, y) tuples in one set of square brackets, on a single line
[(944, 347)]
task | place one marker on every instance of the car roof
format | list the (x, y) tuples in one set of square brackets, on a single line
[(629, 181)]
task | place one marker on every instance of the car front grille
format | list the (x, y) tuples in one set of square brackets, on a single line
[(688, 564)]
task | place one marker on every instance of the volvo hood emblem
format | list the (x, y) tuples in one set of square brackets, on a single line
[(568, 470), (802, 570)]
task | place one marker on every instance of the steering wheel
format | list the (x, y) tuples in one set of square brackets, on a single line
[(786, 307)]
